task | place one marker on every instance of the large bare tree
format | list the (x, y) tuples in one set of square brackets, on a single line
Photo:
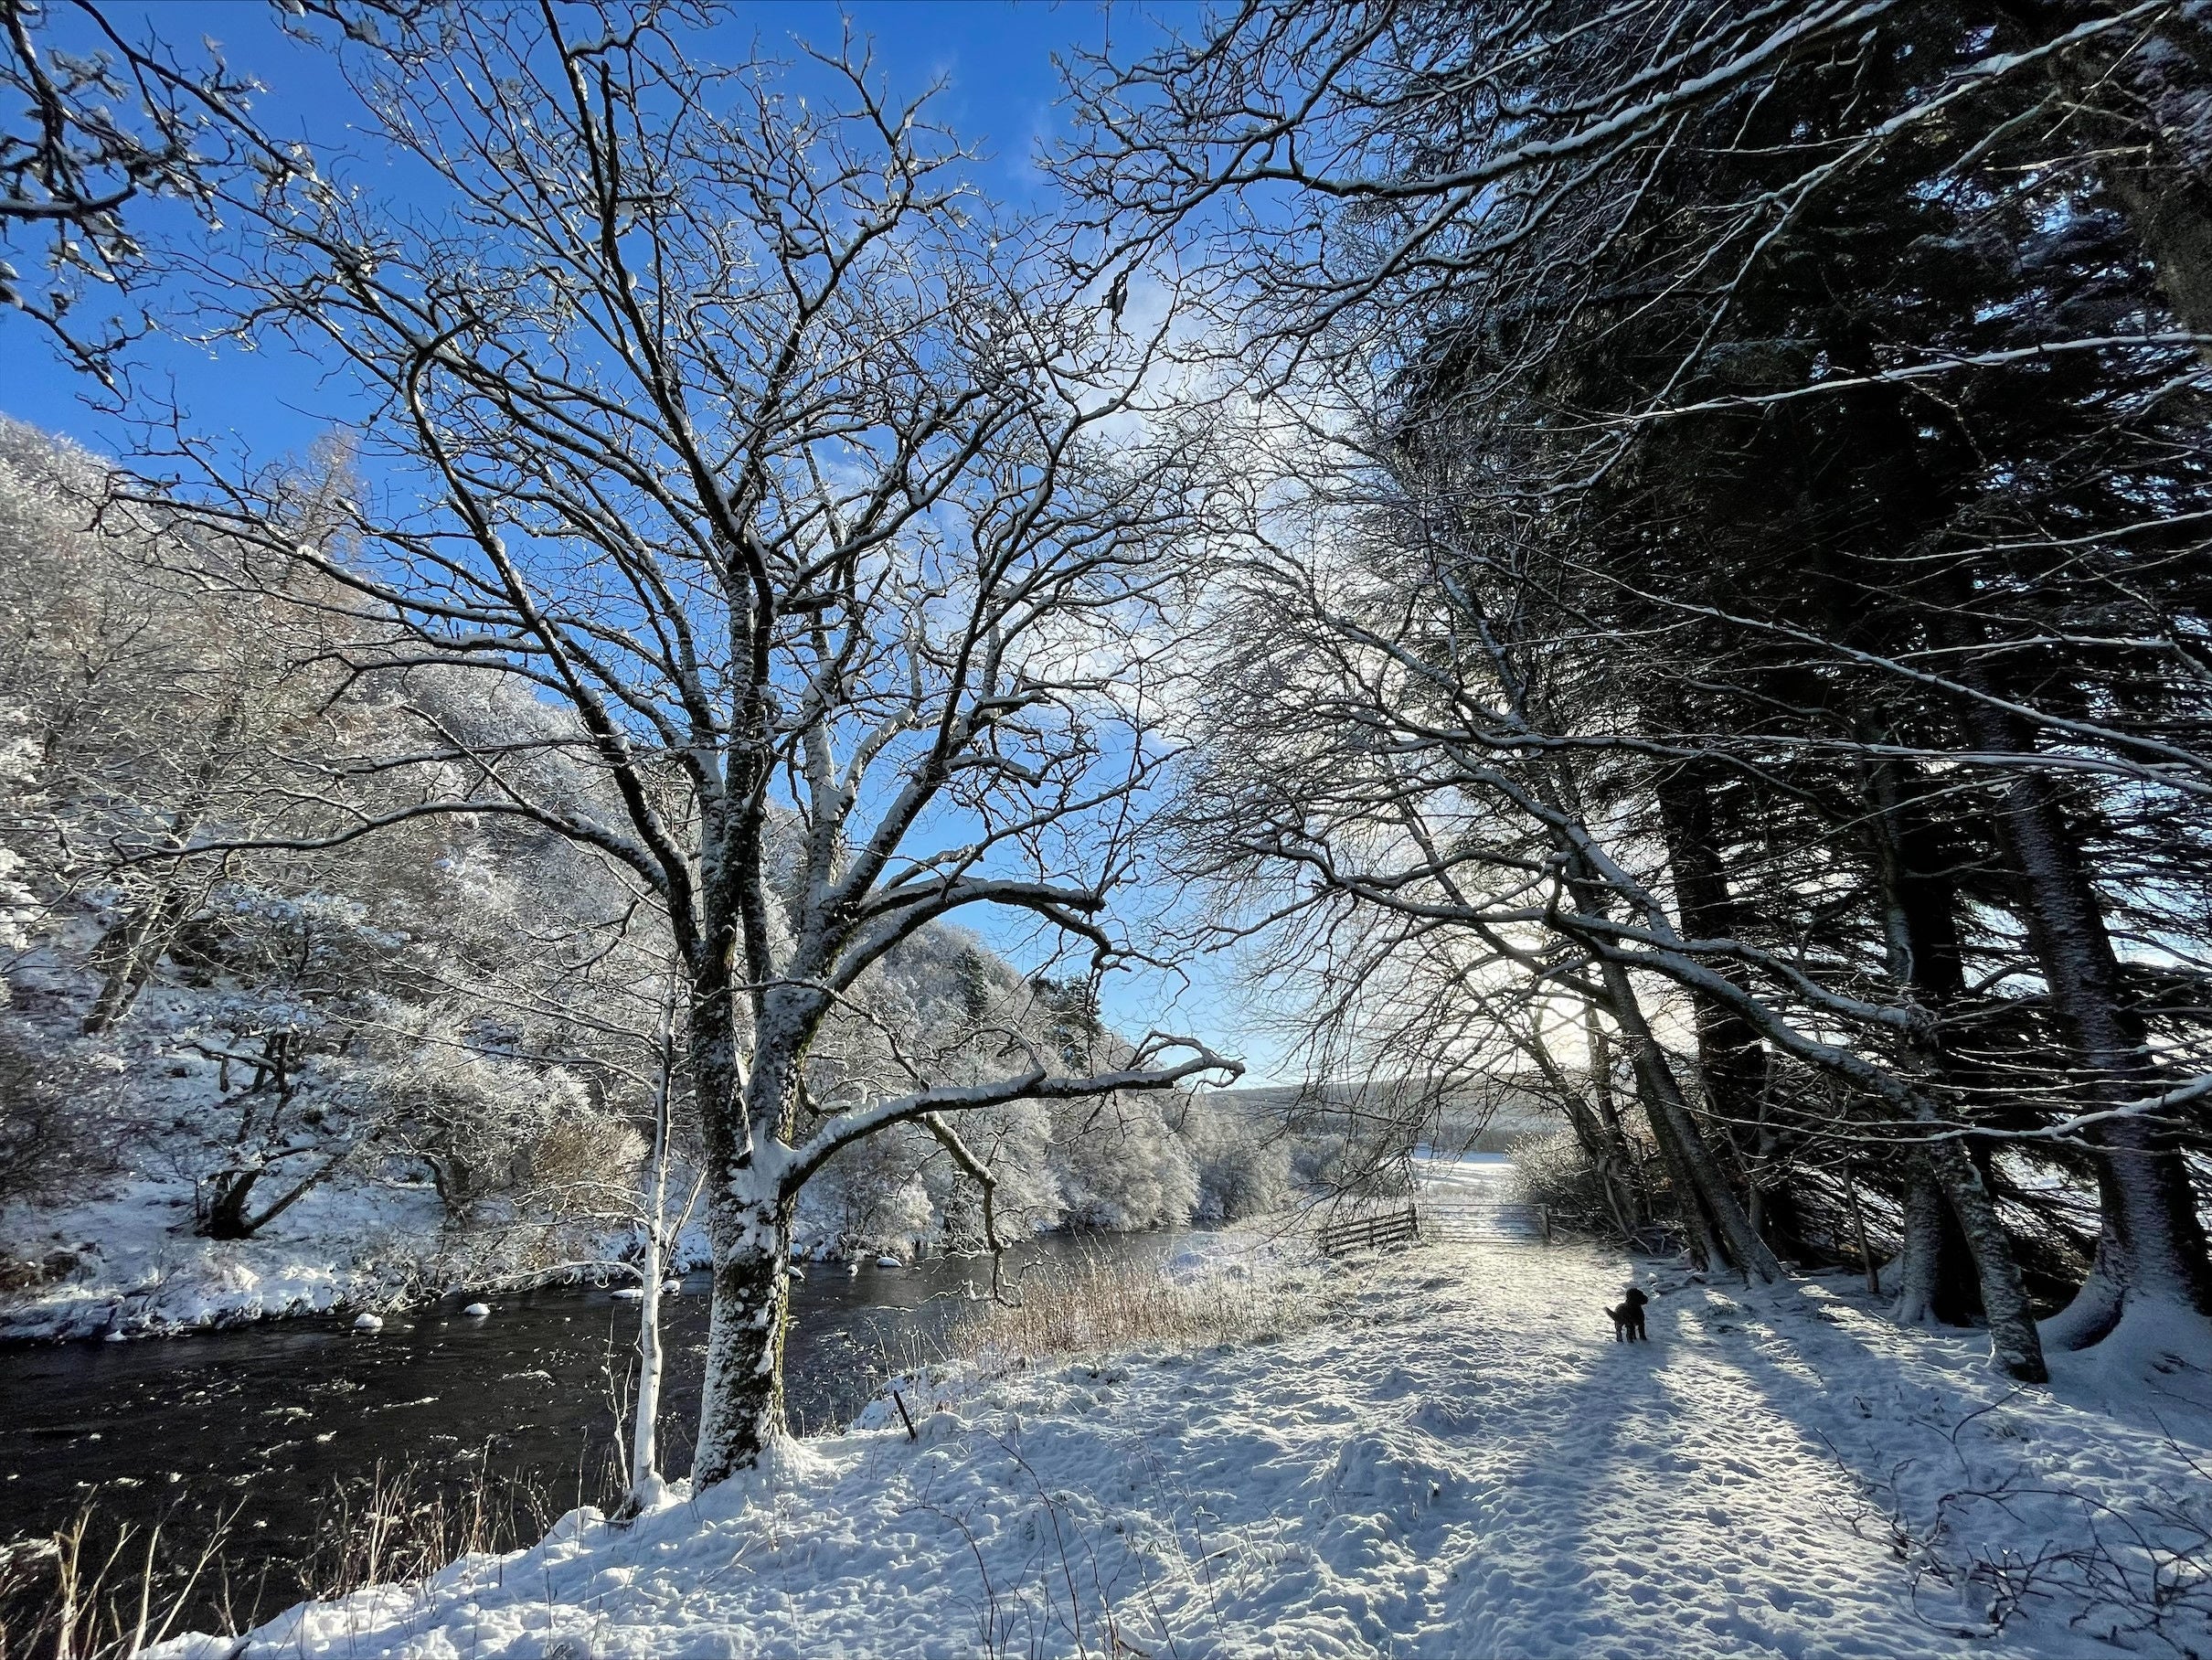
[(715, 405)]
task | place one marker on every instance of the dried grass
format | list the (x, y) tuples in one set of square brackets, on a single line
[(106, 1587), (1103, 1305)]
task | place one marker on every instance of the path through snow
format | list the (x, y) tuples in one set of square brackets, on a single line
[(1459, 1465)]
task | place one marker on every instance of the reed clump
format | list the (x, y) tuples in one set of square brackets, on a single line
[(1104, 1306)]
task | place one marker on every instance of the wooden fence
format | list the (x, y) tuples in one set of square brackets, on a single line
[(1448, 1220), (1369, 1232)]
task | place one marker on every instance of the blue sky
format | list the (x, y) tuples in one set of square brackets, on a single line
[(1002, 94)]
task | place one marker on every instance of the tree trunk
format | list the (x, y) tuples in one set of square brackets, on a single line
[(1920, 1260), (226, 1217), (1590, 1135), (645, 1484), (2013, 1338), (1858, 1233), (1627, 1177), (131, 950), (1597, 1128), (1937, 1273), (1731, 1061), (1602, 1084), (1947, 1280), (748, 1226), (646, 1488), (1731, 1058), (1702, 1240), (140, 941), (2150, 1247), (742, 1409), (1706, 1184)]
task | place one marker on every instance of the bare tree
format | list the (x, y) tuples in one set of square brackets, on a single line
[(91, 133), (1814, 559), (1415, 756), (726, 417)]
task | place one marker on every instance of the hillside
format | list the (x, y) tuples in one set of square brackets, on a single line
[(319, 1066)]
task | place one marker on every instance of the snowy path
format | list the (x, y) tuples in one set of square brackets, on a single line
[(1459, 1467)]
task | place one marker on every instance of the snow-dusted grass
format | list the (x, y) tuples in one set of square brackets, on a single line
[(106, 1587), (1456, 1464), (1108, 1304)]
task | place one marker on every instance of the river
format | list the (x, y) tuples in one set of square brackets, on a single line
[(266, 1423)]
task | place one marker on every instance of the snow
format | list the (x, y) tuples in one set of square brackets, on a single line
[(1455, 1463), (120, 1256), (1485, 1176), (138, 1268), (125, 1257)]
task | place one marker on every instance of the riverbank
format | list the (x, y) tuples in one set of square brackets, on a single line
[(128, 1264), (1457, 1464), (254, 1444), (122, 1265)]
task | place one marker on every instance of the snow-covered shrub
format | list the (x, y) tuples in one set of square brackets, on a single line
[(314, 944), (583, 1168), (1016, 1143), (870, 1197), (57, 1118), (1553, 1171), (478, 1123)]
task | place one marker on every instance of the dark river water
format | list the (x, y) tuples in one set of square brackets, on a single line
[(279, 1429)]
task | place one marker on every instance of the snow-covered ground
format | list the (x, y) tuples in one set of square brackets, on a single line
[(134, 1266), (1456, 1464)]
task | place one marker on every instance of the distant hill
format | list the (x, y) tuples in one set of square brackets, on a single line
[(1488, 1117)]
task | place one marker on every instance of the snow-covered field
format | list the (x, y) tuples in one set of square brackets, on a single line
[(1457, 1464), (1482, 1178)]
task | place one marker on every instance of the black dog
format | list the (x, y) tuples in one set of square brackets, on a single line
[(1628, 1319)]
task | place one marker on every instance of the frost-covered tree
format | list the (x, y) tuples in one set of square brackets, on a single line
[(729, 420), (1752, 589)]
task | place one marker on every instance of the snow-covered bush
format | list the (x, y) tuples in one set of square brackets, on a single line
[(583, 1154), (870, 1197), (482, 1125), (1553, 1171), (1015, 1142), (58, 1118)]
